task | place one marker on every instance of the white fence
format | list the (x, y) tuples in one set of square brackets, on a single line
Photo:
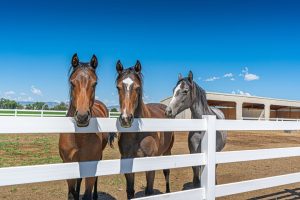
[(32, 113), (42, 113), (271, 119), (209, 158)]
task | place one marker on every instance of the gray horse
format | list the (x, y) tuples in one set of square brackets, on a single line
[(187, 94)]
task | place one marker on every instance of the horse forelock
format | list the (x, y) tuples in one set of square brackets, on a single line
[(82, 67), (130, 71), (127, 73)]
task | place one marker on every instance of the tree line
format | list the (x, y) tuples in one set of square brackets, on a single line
[(11, 104)]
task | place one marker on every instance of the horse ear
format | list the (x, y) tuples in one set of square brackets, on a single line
[(75, 60), (94, 62), (190, 76), (179, 77), (138, 67), (119, 67)]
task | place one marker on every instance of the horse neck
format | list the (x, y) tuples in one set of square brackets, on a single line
[(198, 108), (141, 111)]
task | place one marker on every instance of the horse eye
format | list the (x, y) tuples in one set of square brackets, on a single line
[(95, 84)]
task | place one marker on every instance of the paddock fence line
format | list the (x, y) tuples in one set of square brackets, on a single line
[(208, 158), (42, 113)]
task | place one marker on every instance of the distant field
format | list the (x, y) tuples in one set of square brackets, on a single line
[(46, 113), (38, 113)]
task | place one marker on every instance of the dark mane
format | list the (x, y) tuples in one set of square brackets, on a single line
[(81, 65), (127, 72), (201, 94)]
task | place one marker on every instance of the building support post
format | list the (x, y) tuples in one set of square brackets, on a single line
[(239, 110), (267, 111)]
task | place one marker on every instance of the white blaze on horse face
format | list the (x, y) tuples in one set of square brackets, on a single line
[(174, 95), (124, 113), (128, 82)]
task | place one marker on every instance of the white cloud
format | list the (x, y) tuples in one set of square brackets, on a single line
[(36, 91), (251, 77), (212, 79), (8, 93), (146, 98), (25, 98), (248, 76), (239, 92), (232, 79), (228, 75)]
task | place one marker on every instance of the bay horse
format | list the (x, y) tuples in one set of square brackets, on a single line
[(83, 106), (130, 89), (188, 94)]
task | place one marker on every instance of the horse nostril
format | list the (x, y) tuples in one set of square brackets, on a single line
[(130, 117), (168, 112), (82, 117)]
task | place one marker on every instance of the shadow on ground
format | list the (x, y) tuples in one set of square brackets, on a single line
[(188, 186), (285, 194), (103, 196), (142, 193)]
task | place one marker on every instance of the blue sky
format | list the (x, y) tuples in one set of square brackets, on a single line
[(255, 42)]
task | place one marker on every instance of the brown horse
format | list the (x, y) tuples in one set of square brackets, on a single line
[(130, 88), (83, 106)]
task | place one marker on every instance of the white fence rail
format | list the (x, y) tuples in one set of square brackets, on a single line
[(42, 113), (32, 113), (208, 158), (270, 119)]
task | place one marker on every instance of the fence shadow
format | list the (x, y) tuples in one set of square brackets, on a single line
[(285, 194), (142, 193), (188, 186), (103, 195)]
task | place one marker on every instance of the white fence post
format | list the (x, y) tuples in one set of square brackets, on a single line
[(16, 111), (208, 147)]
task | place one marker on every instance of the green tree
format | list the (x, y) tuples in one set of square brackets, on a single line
[(61, 106), (40, 106), (9, 104), (113, 110)]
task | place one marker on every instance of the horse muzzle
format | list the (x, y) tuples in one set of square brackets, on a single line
[(82, 119), (126, 120), (169, 113)]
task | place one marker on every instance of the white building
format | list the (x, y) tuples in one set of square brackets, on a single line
[(249, 107)]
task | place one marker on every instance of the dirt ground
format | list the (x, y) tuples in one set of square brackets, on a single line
[(36, 149)]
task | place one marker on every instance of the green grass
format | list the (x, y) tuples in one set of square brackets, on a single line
[(35, 113), (19, 150)]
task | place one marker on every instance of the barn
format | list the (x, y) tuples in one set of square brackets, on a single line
[(241, 107)]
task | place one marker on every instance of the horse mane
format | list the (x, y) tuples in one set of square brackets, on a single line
[(201, 94)]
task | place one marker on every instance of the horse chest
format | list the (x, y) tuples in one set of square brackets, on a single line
[(138, 144)]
